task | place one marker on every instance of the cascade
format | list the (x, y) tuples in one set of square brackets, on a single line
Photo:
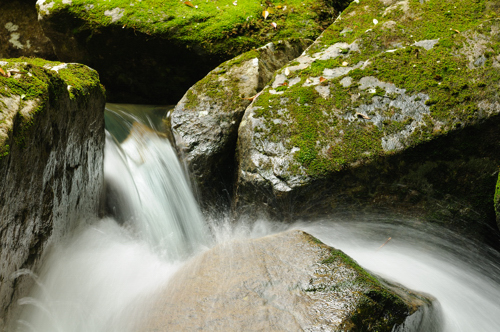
[(101, 277)]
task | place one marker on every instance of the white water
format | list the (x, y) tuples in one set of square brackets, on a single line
[(100, 279)]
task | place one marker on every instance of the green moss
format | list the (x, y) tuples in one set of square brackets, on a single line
[(218, 27), (33, 80), (322, 128), (496, 199), (378, 307)]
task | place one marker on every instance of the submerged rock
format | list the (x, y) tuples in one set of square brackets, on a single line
[(51, 163), (205, 121), (152, 51), (20, 32), (285, 282), (394, 107)]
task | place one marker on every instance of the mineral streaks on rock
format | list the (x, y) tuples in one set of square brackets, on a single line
[(284, 282), (51, 154)]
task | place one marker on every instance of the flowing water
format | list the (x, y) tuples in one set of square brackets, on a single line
[(101, 277)]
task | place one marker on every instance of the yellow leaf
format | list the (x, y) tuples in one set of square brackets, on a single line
[(265, 13), (189, 3), (3, 73), (278, 7)]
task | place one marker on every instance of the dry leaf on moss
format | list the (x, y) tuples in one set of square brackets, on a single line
[(359, 115)]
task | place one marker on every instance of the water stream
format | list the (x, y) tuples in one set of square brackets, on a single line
[(101, 277)]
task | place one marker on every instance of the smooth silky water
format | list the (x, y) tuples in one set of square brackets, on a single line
[(103, 276)]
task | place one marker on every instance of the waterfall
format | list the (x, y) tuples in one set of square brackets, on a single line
[(101, 277), (150, 191)]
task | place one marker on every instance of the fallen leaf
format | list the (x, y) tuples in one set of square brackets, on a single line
[(3, 73), (278, 7), (284, 84), (359, 115), (287, 71), (322, 79), (274, 25), (308, 80), (456, 30), (189, 3), (345, 63), (375, 21), (235, 3), (265, 13)]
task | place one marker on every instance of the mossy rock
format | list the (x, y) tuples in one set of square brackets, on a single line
[(51, 164), (394, 107), (205, 121), (152, 51), (247, 286), (29, 85)]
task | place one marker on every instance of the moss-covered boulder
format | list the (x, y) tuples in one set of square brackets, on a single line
[(152, 51), (205, 122), (51, 164), (20, 32), (285, 282), (394, 107)]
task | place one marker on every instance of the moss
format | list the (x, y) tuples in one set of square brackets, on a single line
[(33, 80), (496, 199), (378, 308), (217, 27), (323, 128)]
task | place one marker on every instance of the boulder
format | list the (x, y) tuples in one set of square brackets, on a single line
[(394, 108), (51, 164), (285, 282), (205, 121), (20, 32), (149, 51)]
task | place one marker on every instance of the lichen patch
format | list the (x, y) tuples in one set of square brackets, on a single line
[(115, 14)]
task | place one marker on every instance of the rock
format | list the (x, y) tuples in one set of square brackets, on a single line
[(285, 282), (205, 121), (394, 117), (20, 32), (51, 155), (152, 51)]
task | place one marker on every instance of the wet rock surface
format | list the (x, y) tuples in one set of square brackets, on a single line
[(382, 113), (51, 155), (285, 282), (205, 122)]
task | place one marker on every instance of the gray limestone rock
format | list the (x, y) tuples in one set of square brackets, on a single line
[(205, 122)]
